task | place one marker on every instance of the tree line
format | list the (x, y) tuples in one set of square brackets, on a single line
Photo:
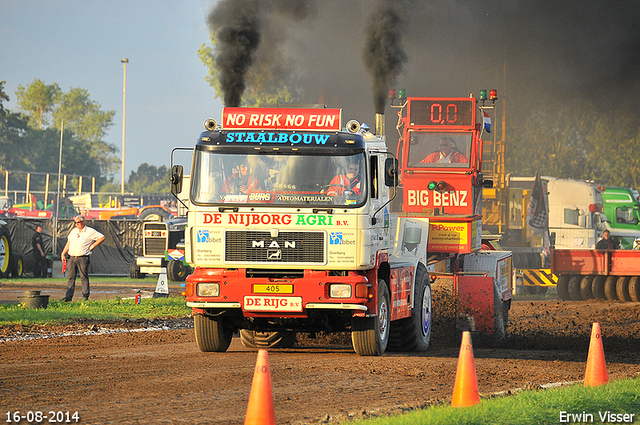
[(30, 140)]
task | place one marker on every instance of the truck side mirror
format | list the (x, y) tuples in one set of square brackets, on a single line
[(176, 179), (391, 172)]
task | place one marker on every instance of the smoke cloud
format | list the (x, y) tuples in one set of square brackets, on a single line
[(565, 50), (383, 53)]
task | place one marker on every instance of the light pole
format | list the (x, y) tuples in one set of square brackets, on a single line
[(124, 61)]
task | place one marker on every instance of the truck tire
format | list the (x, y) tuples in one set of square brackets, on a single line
[(500, 319), (277, 339), (414, 333), (634, 288), (177, 271), (17, 265), (154, 214), (610, 288), (622, 288), (597, 287), (574, 287), (563, 287), (211, 334), (586, 287), (5, 252), (370, 335), (134, 271)]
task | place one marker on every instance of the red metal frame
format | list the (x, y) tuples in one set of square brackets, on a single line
[(619, 262)]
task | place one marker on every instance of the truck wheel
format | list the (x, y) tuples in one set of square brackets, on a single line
[(177, 271), (17, 265), (597, 287), (634, 288), (277, 339), (563, 287), (134, 271), (5, 252), (370, 335), (622, 288), (154, 214), (574, 287), (610, 288), (414, 333), (501, 319), (586, 287), (211, 334)]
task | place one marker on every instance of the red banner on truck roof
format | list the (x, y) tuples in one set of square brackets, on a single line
[(282, 119)]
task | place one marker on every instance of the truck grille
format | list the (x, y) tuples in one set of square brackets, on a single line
[(287, 247), (154, 239)]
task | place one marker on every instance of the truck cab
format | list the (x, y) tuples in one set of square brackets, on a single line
[(622, 208)]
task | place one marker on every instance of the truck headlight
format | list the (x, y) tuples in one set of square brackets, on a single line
[(208, 290), (340, 290)]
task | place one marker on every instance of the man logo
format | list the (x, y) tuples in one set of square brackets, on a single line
[(203, 236), (274, 254)]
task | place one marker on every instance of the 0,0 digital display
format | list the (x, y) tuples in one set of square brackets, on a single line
[(445, 112)]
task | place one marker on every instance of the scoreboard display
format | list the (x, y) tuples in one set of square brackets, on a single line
[(458, 112)]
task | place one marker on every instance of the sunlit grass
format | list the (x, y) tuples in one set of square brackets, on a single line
[(59, 312), (535, 407)]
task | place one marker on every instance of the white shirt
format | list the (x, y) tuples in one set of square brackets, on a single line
[(81, 240)]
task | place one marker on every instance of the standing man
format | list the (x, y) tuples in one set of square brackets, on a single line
[(80, 242), (606, 242), (40, 268)]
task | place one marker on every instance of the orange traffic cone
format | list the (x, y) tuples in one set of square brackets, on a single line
[(465, 390), (596, 373), (260, 410)]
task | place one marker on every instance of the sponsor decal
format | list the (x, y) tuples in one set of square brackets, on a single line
[(427, 198), (265, 303), (281, 119), (292, 138), (335, 238), (254, 219)]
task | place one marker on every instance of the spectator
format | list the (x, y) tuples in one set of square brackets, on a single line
[(606, 242), (80, 243), (40, 267)]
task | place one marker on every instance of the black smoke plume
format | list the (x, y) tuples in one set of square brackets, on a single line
[(237, 23), (383, 53)]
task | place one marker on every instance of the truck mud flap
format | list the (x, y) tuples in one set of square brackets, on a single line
[(462, 303)]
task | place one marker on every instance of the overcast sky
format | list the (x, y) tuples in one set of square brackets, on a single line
[(79, 43)]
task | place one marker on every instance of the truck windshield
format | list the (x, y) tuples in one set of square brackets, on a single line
[(451, 150), (289, 179)]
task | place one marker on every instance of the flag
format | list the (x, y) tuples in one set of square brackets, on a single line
[(487, 122), (538, 214)]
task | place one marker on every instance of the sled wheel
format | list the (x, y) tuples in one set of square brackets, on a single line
[(563, 287), (634, 288), (610, 288), (586, 287), (622, 288), (574, 287), (597, 287)]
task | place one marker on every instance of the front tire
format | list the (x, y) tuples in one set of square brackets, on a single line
[(17, 265), (414, 333), (211, 334), (370, 335)]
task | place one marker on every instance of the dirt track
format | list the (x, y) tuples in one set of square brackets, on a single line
[(161, 376)]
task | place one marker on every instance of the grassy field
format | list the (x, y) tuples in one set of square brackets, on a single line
[(59, 312), (616, 402)]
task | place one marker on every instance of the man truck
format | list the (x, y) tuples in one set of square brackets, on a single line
[(279, 246)]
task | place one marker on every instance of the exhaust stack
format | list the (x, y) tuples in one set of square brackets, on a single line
[(380, 128)]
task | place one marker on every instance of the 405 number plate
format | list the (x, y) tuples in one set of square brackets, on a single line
[(273, 289)]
